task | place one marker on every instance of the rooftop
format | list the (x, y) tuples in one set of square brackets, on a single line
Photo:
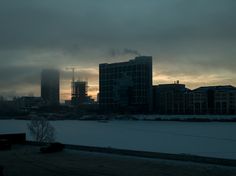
[(220, 88), (136, 59)]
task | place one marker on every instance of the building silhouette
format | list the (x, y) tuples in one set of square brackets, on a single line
[(126, 86), (79, 92), (169, 98), (212, 100), (28, 103), (177, 99), (50, 86)]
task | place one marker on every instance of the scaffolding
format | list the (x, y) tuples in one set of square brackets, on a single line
[(79, 92)]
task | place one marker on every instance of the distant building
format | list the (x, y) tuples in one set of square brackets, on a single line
[(169, 98), (28, 103), (79, 92), (212, 100), (126, 86), (176, 99), (50, 86), (9, 107)]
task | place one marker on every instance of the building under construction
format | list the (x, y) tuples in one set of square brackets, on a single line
[(79, 92)]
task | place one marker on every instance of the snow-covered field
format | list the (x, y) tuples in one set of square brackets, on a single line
[(215, 139)]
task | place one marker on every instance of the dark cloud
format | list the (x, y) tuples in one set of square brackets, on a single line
[(63, 25), (126, 51), (19, 75), (83, 74), (185, 37)]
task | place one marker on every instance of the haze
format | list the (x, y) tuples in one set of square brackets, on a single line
[(191, 41)]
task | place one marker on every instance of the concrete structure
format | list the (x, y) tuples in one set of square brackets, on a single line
[(126, 86), (169, 98), (79, 92), (8, 107), (28, 103), (177, 99), (212, 100), (50, 86)]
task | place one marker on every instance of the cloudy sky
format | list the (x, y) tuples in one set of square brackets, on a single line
[(193, 41)]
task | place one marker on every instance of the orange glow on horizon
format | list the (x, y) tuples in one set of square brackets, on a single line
[(191, 81), (65, 94)]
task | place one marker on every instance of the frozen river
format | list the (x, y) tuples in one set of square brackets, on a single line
[(215, 139)]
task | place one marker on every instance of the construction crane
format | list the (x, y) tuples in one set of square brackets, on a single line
[(73, 72), (73, 80)]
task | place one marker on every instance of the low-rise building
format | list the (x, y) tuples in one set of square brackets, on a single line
[(212, 100), (169, 98), (28, 103)]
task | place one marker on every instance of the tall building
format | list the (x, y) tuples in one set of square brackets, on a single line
[(126, 86), (50, 86)]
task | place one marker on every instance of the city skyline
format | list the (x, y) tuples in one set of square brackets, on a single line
[(93, 89), (195, 43)]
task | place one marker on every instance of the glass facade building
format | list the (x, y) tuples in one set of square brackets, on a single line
[(126, 86)]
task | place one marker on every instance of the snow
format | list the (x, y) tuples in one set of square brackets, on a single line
[(185, 117), (214, 139)]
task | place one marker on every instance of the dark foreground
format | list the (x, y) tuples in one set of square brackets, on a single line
[(26, 160)]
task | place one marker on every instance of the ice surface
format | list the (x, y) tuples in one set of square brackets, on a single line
[(215, 139)]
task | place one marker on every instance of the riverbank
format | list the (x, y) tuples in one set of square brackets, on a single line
[(26, 160), (141, 117), (145, 154)]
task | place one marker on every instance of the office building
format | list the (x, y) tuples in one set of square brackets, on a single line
[(212, 100), (50, 87), (126, 86), (169, 98)]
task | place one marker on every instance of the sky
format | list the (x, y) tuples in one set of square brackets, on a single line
[(191, 41)]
